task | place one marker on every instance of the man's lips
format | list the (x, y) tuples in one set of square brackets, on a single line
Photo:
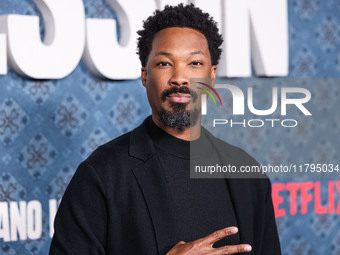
[(179, 98)]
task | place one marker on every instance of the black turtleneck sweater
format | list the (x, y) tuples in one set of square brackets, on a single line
[(201, 206)]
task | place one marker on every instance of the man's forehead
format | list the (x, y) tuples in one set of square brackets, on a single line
[(178, 32), (185, 39), (165, 53)]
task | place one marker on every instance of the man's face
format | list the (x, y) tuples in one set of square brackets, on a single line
[(177, 55)]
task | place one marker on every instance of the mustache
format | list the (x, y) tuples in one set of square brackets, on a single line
[(182, 89)]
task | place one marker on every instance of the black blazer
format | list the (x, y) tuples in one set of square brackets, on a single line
[(118, 202)]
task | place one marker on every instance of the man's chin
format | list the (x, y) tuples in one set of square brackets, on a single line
[(179, 119)]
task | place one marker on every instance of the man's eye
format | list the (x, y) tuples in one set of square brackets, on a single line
[(163, 64), (196, 63)]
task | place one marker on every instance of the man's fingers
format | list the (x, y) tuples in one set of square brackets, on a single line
[(232, 249), (219, 234)]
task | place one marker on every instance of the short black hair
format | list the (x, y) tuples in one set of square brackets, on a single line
[(187, 16)]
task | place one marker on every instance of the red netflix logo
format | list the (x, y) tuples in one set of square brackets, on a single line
[(307, 193)]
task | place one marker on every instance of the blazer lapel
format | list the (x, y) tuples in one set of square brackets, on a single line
[(151, 179), (153, 184)]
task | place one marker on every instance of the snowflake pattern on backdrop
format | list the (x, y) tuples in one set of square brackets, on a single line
[(70, 116), (96, 138), (304, 63), (37, 155), (10, 189), (96, 89), (305, 8), (328, 34), (12, 121), (124, 114), (39, 91), (59, 183), (321, 224), (298, 246)]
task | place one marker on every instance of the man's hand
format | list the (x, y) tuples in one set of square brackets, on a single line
[(204, 245)]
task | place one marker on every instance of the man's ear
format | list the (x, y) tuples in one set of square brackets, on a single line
[(143, 76), (213, 75)]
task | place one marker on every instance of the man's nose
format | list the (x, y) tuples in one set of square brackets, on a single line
[(179, 78)]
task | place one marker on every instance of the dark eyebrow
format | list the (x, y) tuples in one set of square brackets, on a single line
[(164, 53)]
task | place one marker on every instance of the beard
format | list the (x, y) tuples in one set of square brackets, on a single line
[(179, 117)]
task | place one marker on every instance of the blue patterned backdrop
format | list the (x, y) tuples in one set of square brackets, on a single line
[(48, 127)]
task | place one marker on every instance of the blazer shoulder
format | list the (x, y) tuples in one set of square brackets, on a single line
[(237, 157), (116, 147), (123, 153), (234, 153)]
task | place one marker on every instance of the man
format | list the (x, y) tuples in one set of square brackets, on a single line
[(134, 194)]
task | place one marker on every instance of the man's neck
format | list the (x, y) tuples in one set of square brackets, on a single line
[(187, 134)]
